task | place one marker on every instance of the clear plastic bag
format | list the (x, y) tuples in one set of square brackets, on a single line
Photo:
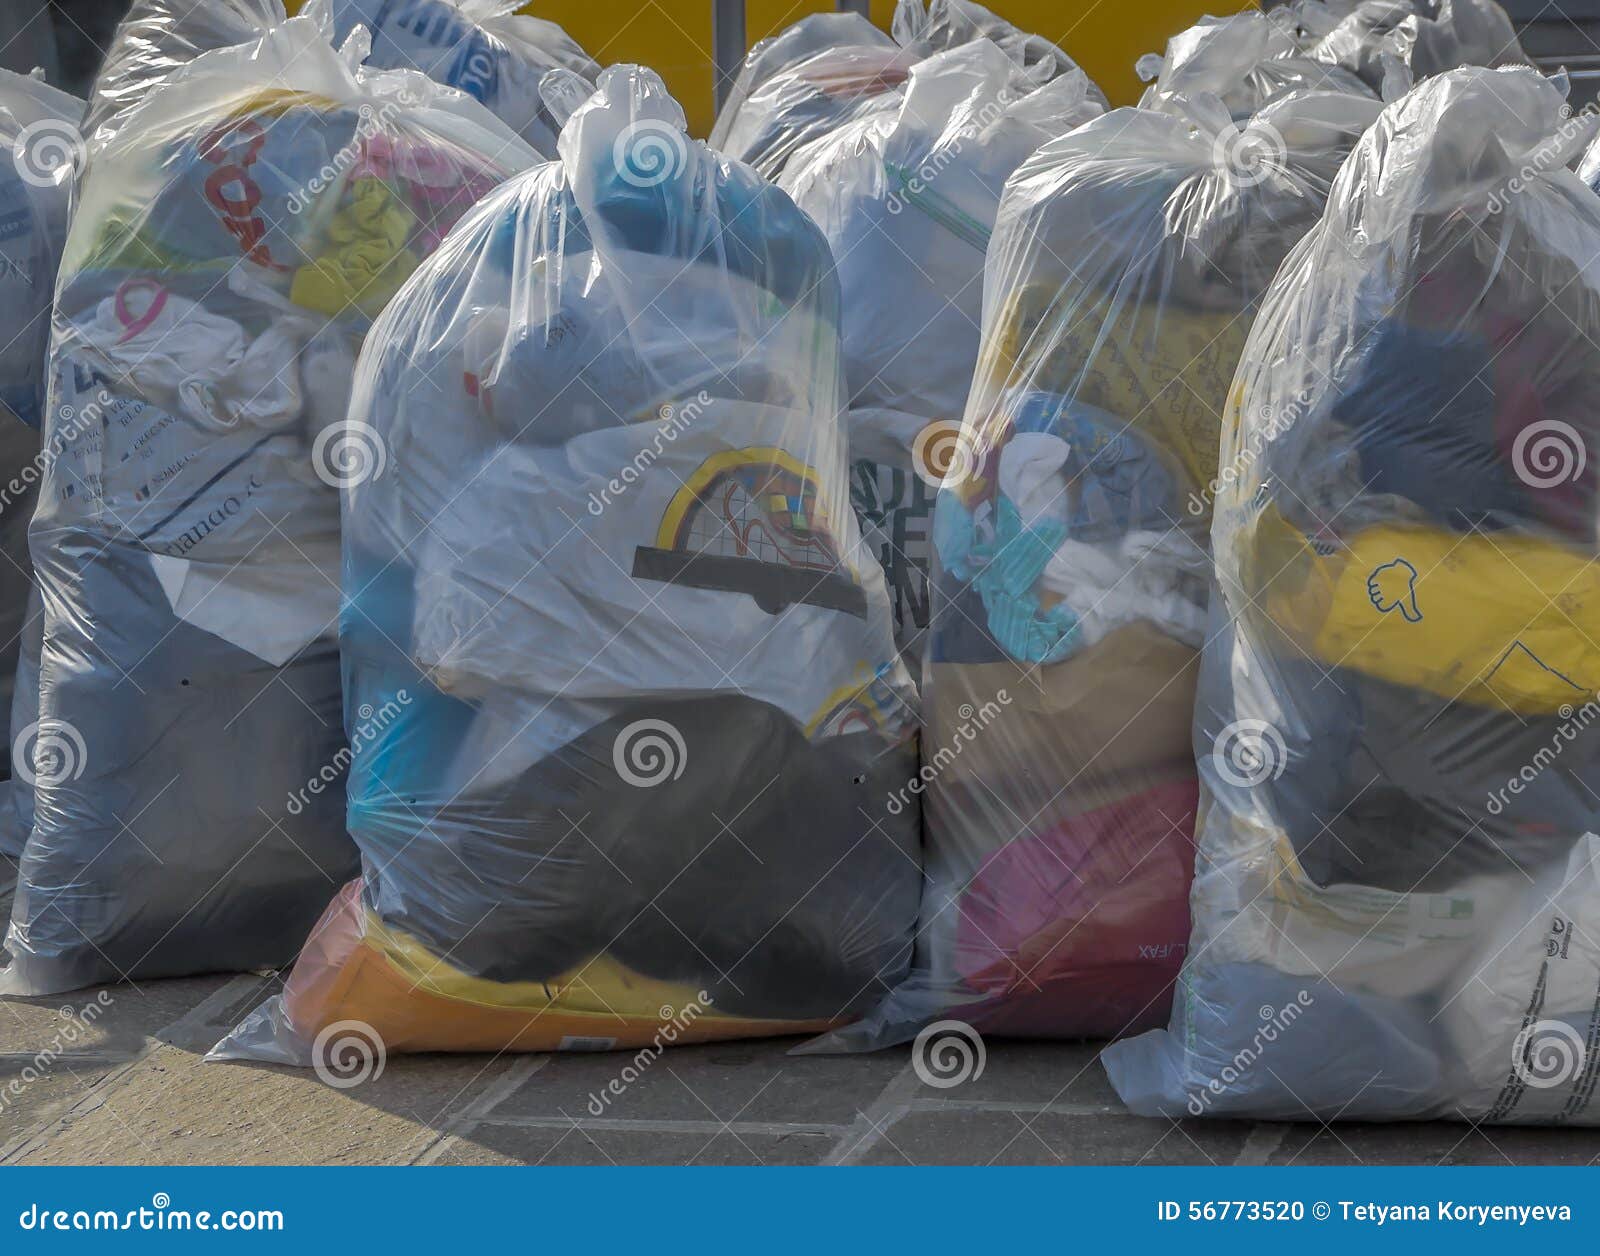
[(947, 24), (481, 47), (1308, 21), (42, 145), (158, 38), (907, 200), (1246, 60), (621, 673), (1395, 894), (1420, 38), (1070, 572), (784, 100), (816, 33), (235, 233)]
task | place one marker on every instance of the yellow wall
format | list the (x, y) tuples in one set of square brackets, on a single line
[(674, 36)]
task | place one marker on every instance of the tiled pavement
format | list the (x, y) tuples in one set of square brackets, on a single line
[(134, 1090)]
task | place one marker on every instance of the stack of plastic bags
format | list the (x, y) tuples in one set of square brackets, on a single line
[(1397, 902), (907, 199), (628, 669), (481, 47), (40, 149), (829, 70), (236, 232), (1070, 571)]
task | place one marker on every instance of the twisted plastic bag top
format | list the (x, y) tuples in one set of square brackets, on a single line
[(1397, 860)]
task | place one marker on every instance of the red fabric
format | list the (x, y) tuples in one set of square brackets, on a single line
[(1080, 931)]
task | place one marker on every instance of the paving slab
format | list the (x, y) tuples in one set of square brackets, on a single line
[(591, 1146), (750, 1082), (953, 1137), (1437, 1143)]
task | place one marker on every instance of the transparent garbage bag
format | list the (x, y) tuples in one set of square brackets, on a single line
[(1307, 21), (234, 236), (481, 47), (947, 24), (621, 672), (1070, 571), (1420, 38), (813, 34), (155, 40), (42, 149), (1588, 166), (907, 200), (791, 101), (1395, 721), (1246, 60), (158, 38)]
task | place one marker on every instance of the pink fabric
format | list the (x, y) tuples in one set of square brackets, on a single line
[(1080, 931)]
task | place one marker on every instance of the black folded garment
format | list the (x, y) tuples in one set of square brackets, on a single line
[(766, 873), (1405, 791), (126, 872)]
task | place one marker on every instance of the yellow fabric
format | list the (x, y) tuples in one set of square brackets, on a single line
[(367, 260), (1164, 369), (1499, 620), (601, 985)]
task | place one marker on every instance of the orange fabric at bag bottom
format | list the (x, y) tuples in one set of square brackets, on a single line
[(354, 969)]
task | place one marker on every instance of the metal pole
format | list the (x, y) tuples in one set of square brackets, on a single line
[(727, 44), (863, 7)]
